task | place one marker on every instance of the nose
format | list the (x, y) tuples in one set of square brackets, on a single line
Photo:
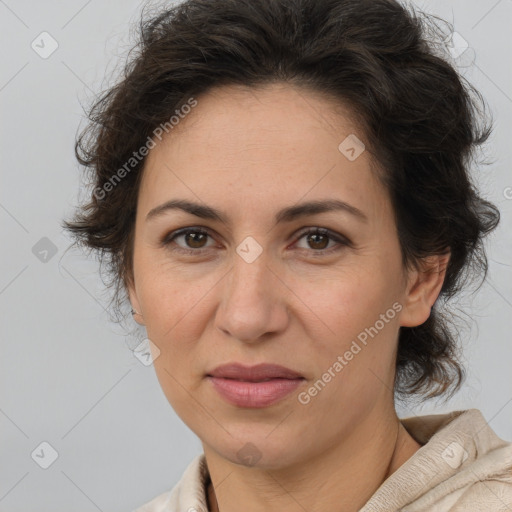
[(253, 301)]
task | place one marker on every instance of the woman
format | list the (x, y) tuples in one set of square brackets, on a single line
[(283, 193)]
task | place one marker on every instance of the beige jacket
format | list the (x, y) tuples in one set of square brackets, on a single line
[(462, 466)]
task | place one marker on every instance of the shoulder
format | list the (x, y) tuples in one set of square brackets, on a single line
[(462, 466), (492, 495)]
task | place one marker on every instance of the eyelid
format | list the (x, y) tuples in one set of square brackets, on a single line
[(169, 237), (338, 237)]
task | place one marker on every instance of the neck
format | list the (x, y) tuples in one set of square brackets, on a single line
[(339, 479)]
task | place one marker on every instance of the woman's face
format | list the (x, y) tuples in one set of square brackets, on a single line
[(257, 288)]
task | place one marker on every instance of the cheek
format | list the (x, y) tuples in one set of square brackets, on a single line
[(170, 293), (352, 350), (346, 302), (353, 316), (174, 317)]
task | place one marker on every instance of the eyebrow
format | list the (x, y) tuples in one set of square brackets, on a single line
[(287, 214)]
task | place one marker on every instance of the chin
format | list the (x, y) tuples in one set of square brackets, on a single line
[(260, 450)]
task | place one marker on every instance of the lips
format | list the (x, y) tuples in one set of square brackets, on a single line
[(255, 386), (259, 373)]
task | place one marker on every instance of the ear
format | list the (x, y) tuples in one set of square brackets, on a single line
[(134, 301), (423, 288)]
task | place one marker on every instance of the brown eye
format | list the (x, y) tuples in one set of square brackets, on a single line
[(192, 240), (318, 240)]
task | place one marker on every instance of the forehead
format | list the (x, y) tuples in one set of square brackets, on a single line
[(276, 143), (272, 114)]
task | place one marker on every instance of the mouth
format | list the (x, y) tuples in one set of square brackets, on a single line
[(259, 373), (248, 380), (254, 387)]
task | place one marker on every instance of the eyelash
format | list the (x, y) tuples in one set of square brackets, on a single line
[(341, 240)]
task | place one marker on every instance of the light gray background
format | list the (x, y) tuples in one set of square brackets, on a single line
[(67, 374)]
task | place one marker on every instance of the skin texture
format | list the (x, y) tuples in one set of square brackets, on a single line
[(249, 153)]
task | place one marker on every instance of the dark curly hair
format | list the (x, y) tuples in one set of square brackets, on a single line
[(386, 62)]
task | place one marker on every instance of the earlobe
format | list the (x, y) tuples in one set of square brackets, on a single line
[(423, 288), (138, 317), (135, 310)]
